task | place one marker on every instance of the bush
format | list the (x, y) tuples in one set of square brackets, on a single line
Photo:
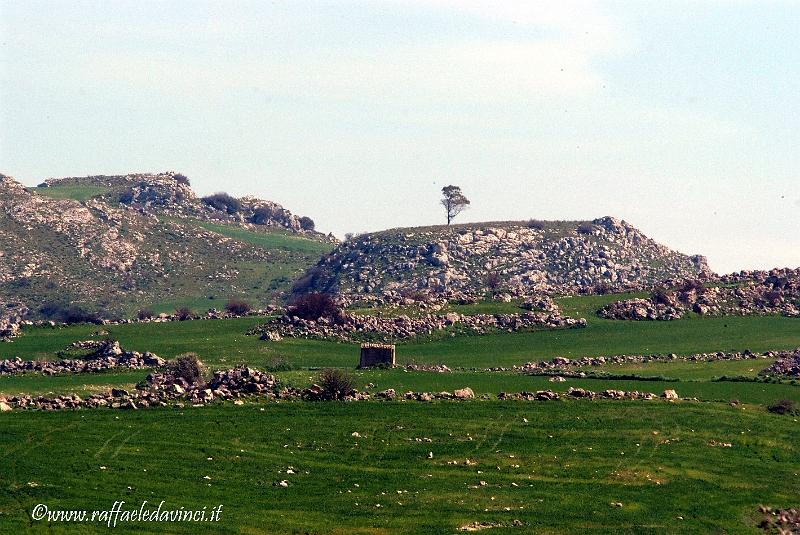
[(784, 406), (280, 364), (188, 367), (145, 314), (183, 313), (263, 215), (180, 178), (493, 280), (309, 282), (601, 288), (238, 307), (536, 224), (585, 228), (68, 313), (126, 197), (223, 202), (306, 223), (336, 383), (314, 306)]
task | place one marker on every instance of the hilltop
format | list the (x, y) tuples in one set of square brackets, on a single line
[(518, 258), (114, 245)]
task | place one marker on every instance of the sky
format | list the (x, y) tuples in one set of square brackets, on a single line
[(682, 118)]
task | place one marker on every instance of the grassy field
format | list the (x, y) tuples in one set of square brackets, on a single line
[(223, 342), (555, 467), (80, 192), (699, 466), (268, 239)]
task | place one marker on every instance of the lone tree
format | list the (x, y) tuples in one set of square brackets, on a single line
[(453, 201)]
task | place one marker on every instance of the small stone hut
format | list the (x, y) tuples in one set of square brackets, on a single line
[(377, 355)]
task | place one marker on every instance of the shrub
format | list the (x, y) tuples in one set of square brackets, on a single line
[(238, 307), (180, 178), (126, 197), (280, 364), (223, 202), (145, 313), (306, 223), (336, 382), (68, 313), (315, 305), (783, 406), (536, 224), (493, 280), (183, 313), (601, 288), (585, 228), (263, 215), (188, 367)]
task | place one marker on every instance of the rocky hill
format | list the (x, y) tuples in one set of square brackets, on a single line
[(113, 245), (518, 258), (171, 194)]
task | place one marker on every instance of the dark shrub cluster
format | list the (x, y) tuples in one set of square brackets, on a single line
[(145, 314), (306, 223), (183, 313), (784, 406), (336, 383), (189, 367), (315, 305), (238, 306), (493, 280), (223, 202), (263, 215), (307, 282), (535, 224), (126, 197), (69, 313), (180, 178)]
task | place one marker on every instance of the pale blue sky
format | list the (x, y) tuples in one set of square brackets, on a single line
[(680, 117)]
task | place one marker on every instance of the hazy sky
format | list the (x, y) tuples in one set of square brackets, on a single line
[(682, 118)]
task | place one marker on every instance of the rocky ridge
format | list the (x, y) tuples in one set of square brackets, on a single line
[(761, 293), (517, 258), (109, 255), (353, 328), (170, 194)]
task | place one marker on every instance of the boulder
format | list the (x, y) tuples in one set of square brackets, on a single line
[(464, 393)]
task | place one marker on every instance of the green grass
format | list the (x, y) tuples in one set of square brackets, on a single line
[(81, 384), (76, 192), (557, 467), (222, 342), (568, 460), (688, 370), (268, 239)]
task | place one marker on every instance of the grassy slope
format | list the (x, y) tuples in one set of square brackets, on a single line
[(566, 467), (69, 191), (257, 282)]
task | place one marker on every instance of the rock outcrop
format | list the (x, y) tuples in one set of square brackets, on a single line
[(353, 328), (112, 257), (760, 294), (514, 257)]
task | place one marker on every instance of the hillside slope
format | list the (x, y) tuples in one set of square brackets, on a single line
[(77, 244), (515, 257)]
